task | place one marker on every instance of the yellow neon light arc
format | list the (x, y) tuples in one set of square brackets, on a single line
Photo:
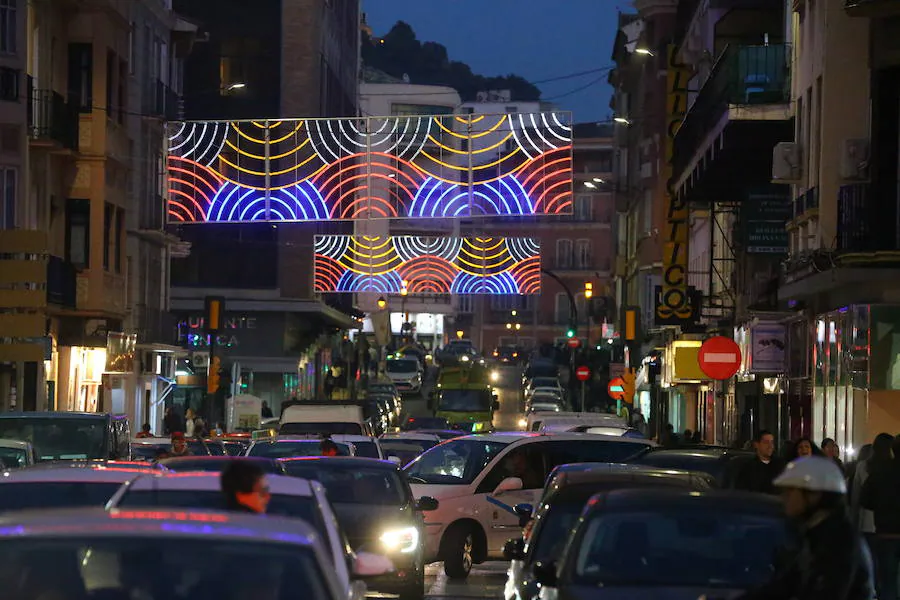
[(466, 137), (470, 121), (374, 246), (273, 173), (271, 187), (279, 140), (369, 267), (273, 157), (479, 269), (479, 151), (483, 241), (478, 168), (371, 256), (269, 126), (484, 256)]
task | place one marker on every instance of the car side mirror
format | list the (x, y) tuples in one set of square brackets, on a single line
[(495, 405), (524, 512), (426, 504), (545, 573), (367, 564), (510, 484), (394, 459), (514, 549)]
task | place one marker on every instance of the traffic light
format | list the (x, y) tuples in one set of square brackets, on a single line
[(570, 332), (631, 324), (212, 375), (628, 377), (588, 290), (215, 309)]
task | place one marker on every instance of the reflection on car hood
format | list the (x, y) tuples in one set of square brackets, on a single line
[(650, 592), (364, 523), (439, 492)]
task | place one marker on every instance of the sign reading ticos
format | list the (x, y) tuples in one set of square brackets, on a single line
[(674, 303)]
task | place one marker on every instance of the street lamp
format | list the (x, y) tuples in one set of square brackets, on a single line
[(459, 334), (589, 185), (622, 120), (382, 303), (404, 291), (235, 86), (509, 325), (644, 51)]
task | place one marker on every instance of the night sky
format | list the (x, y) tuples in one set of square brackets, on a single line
[(525, 37)]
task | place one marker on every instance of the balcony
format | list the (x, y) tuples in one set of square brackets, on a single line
[(161, 101), (61, 286), (859, 228), (155, 326), (873, 9), (740, 113), (52, 120), (805, 203)]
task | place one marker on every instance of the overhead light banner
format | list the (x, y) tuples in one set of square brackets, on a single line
[(674, 304), (415, 167), (427, 265)]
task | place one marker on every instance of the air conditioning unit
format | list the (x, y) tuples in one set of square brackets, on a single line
[(786, 166), (855, 159), (148, 362), (200, 360)]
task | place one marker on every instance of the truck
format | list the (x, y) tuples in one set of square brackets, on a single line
[(464, 396)]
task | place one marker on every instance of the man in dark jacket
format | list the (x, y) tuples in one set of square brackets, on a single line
[(757, 474), (881, 495), (833, 562), (245, 488)]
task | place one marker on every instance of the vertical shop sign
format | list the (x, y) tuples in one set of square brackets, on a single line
[(674, 303)]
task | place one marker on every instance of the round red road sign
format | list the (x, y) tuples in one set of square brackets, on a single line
[(574, 342), (719, 357), (583, 373), (616, 388)]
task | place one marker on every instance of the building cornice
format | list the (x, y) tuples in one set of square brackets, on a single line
[(652, 8)]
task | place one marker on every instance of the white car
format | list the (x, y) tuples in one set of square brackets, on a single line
[(164, 554), (288, 446), (543, 382), (405, 373), (408, 445), (479, 480), (543, 390), (15, 454), (66, 485), (291, 497), (362, 445)]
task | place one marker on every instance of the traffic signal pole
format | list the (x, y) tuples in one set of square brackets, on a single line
[(214, 309)]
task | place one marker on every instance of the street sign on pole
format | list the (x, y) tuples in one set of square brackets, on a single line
[(719, 357), (616, 388), (574, 342), (583, 373)]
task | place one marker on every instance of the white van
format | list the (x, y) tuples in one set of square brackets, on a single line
[(536, 421), (479, 480), (330, 417)]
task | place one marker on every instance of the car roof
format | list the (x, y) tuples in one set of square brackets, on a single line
[(344, 461), (666, 498), (563, 436), (348, 437), (8, 443), (575, 473), (700, 453), (63, 474), (415, 435), (56, 415), (203, 481), (97, 522), (208, 458)]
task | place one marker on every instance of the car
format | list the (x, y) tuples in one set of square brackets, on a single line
[(65, 484), (407, 446), (547, 384), (64, 435), (444, 434), (235, 447), (415, 423), (289, 446), (217, 464), (129, 554), (567, 490), (479, 479), (377, 510), (365, 446), (149, 449), (635, 543), (290, 497), (15, 454), (382, 387), (720, 462), (406, 374)]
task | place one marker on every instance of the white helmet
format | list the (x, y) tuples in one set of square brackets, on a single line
[(813, 473)]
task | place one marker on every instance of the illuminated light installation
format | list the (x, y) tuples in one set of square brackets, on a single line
[(370, 168), (429, 265)]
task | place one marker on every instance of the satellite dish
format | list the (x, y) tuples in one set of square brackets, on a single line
[(406, 78)]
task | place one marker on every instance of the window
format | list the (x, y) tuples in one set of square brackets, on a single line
[(81, 76), (647, 210), (78, 232), (120, 238), (507, 302), (8, 26), (466, 304), (132, 50), (8, 179), (120, 91), (108, 212), (9, 84), (563, 254), (583, 255), (584, 207), (562, 309), (110, 83)]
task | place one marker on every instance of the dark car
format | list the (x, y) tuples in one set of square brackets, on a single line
[(152, 448), (70, 435), (720, 462), (568, 488), (376, 509), (416, 423), (635, 543), (218, 463)]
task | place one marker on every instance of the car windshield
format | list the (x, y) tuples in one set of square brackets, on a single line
[(351, 483), (464, 401), (13, 458), (419, 446), (381, 388), (59, 438), (55, 494), (413, 423), (320, 428), (295, 507), (457, 462), (288, 449), (366, 449), (402, 366), (544, 382), (140, 566), (679, 546), (215, 465)]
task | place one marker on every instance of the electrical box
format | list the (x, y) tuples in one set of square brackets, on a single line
[(786, 167)]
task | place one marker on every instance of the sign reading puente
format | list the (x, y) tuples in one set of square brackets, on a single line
[(410, 167)]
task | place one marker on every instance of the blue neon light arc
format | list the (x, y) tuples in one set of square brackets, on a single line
[(387, 283), (233, 203), (499, 284), (438, 199)]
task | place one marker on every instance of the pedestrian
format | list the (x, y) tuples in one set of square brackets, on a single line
[(833, 561), (145, 432), (832, 451), (688, 436), (245, 487), (328, 448), (179, 445), (266, 411), (880, 494), (189, 424), (758, 473), (171, 422)]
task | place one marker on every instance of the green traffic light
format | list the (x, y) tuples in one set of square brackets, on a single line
[(570, 333)]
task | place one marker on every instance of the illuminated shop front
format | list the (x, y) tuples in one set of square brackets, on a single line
[(81, 383), (681, 381)]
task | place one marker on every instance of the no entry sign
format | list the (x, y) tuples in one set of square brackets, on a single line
[(574, 343), (582, 373), (616, 388), (719, 357)]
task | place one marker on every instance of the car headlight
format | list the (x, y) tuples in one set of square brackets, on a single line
[(404, 540), (495, 375), (523, 423)]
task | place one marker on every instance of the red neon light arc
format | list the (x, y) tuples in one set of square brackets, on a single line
[(379, 205), (543, 168), (172, 213), (191, 199), (555, 199), (204, 168), (194, 187), (363, 165), (391, 210), (193, 175), (565, 174)]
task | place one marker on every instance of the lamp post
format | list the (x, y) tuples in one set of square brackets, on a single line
[(404, 291)]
